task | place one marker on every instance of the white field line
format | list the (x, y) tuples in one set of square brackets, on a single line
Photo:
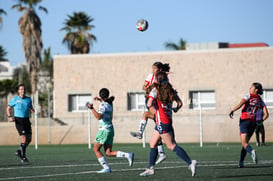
[(200, 164)]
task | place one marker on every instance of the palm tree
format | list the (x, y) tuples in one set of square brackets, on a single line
[(180, 46), (78, 39), (30, 28), (1, 19), (3, 53)]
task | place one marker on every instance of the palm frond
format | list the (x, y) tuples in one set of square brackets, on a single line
[(43, 9)]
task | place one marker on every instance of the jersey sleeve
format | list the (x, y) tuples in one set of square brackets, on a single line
[(149, 78), (246, 98), (263, 104), (153, 94), (101, 108), (12, 102)]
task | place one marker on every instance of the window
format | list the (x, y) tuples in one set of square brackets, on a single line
[(3, 69), (268, 97), (77, 102), (202, 99), (136, 101)]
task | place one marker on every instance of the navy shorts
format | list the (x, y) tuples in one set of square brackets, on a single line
[(23, 126), (247, 127), (164, 128)]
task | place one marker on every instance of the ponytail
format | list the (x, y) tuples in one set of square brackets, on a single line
[(259, 87)]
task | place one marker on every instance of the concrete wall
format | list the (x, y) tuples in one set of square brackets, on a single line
[(229, 72), (186, 132)]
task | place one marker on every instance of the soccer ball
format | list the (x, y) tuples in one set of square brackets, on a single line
[(142, 25)]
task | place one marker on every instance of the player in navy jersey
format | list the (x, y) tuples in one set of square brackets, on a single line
[(160, 103), (251, 103), (22, 106)]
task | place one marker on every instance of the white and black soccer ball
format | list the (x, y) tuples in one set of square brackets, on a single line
[(142, 25)]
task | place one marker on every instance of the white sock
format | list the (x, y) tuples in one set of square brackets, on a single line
[(122, 154), (103, 162), (160, 149), (142, 126)]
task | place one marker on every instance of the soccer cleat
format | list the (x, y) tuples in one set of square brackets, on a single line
[(136, 134), (241, 164), (161, 159), (192, 167), (131, 159), (148, 172), (18, 153), (254, 156), (24, 160), (105, 170)]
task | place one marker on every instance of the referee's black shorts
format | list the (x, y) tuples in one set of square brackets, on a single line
[(23, 126)]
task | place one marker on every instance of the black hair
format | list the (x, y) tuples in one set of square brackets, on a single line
[(165, 67), (162, 67), (258, 86), (104, 94), (18, 86), (158, 64)]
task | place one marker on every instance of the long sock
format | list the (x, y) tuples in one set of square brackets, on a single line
[(122, 154), (161, 151), (142, 126), (152, 158), (249, 149), (243, 154), (182, 154), (103, 162), (23, 149)]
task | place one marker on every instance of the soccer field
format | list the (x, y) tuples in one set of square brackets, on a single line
[(77, 162)]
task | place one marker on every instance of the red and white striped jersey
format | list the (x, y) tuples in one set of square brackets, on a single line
[(150, 79)]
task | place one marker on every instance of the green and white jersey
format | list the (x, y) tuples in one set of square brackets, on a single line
[(105, 123)]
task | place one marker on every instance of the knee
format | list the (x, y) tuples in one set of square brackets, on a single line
[(153, 145), (108, 153), (171, 146), (95, 150)]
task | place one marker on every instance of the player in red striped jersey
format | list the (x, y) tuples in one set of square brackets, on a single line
[(251, 103), (160, 103), (151, 78)]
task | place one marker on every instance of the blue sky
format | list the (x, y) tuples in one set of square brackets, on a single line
[(196, 21)]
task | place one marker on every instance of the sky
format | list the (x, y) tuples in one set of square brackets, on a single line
[(196, 21)]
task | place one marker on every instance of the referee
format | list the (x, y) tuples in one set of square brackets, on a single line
[(22, 106)]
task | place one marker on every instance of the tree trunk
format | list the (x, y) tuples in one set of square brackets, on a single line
[(33, 77)]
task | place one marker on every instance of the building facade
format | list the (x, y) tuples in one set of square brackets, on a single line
[(210, 83)]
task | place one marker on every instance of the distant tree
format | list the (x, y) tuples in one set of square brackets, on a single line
[(47, 62), (21, 76), (78, 39), (180, 46), (46, 92), (7, 86), (3, 53), (1, 19), (30, 28)]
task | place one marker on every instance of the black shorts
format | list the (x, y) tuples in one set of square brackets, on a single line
[(23, 126)]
